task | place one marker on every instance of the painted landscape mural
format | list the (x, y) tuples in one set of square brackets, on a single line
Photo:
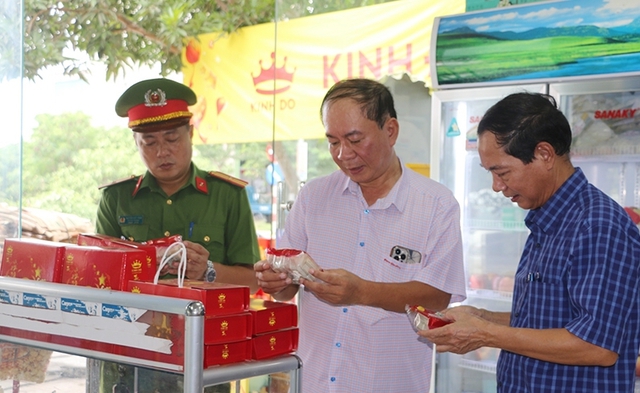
[(555, 39)]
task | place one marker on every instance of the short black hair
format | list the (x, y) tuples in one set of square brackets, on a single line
[(522, 120), (374, 98)]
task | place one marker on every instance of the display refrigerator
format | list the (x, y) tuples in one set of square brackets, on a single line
[(493, 231), (604, 115)]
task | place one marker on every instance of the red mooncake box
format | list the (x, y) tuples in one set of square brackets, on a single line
[(225, 328), (226, 353), (33, 259), (276, 343), (269, 316), (217, 298), (102, 267)]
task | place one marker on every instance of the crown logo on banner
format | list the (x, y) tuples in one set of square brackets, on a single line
[(273, 80)]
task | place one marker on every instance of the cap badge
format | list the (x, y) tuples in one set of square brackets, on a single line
[(155, 98)]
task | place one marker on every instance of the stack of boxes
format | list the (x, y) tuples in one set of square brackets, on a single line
[(88, 266), (275, 330), (236, 327)]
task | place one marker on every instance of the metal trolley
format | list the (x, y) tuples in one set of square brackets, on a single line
[(46, 326)]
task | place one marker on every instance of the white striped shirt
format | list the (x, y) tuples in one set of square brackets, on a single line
[(359, 348)]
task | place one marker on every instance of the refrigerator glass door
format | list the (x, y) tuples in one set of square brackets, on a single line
[(605, 120), (493, 231)]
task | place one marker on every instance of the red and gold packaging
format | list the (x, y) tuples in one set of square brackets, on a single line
[(217, 298), (276, 343), (423, 319), (167, 326), (102, 267), (226, 328), (33, 259), (269, 316), (154, 248), (225, 353)]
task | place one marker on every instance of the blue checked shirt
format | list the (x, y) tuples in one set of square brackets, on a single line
[(579, 271)]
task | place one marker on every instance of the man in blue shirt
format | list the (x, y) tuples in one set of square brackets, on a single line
[(574, 324)]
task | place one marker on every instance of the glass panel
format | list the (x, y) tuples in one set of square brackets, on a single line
[(74, 143), (493, 235), (11, 132)]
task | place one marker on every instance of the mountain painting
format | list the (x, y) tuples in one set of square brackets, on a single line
[(542, 41)]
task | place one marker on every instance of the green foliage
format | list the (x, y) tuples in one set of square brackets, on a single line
[(10, 174), (124, 34), (66, 160)]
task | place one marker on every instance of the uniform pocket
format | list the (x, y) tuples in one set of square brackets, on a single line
[(136, 233), (211, 237)]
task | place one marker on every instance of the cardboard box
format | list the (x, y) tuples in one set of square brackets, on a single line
[(33, 259), (217, 298), (226, 353), (276, 343), (102, 267), (226, 328), (269, 316)]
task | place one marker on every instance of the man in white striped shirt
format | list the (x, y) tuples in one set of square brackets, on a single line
[(384, 237)]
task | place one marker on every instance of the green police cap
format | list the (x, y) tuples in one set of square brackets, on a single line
[(151, 103)]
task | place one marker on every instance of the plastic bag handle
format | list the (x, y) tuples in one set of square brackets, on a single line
[(182, 266)]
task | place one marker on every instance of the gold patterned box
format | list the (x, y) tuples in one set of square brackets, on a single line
[(105, 268), (33, 259)]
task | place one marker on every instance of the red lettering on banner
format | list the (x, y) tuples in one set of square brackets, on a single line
[(329, 71), (332, 67), (406, 62), (377, 69), (615, 114)]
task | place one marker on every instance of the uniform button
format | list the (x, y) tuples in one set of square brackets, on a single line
[(169, 201), (333, 379), (366, 211), (207, 238), (167, 233), (338, 345), (361, 244), (345, 309)]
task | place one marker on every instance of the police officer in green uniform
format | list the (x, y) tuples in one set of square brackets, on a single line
[(210, 210)]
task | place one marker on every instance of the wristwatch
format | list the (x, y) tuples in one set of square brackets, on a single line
[(210, 274)]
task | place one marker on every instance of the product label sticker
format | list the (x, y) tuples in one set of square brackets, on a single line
[(79, 306), (39, 301), (128, 314), (10, 297)]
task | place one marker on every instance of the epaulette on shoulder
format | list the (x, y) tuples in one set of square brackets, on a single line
[(229, 179), (124, 179)]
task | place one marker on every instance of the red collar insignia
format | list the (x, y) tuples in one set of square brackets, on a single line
[(201, 185), (135, 190)]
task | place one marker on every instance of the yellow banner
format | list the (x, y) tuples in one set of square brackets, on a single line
[(273, 76)]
